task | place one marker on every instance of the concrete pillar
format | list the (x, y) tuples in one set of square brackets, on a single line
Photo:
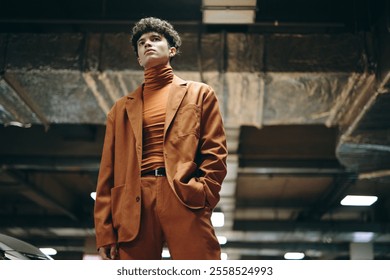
[(90, 251), (361, 251)]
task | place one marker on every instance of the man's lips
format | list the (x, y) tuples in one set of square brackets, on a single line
[(148, 51)]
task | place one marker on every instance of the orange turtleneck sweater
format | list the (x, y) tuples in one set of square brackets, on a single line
[(155, 96)]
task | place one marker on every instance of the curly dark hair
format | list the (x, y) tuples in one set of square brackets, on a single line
[(152, 24)]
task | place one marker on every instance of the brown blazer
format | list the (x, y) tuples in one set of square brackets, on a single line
[(194, 151)]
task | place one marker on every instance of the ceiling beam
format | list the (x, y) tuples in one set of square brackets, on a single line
[(331, 198), (319, 171), (33, 193), (325, 226), (289, 246), (24, 96), (44, 222), (51, 163), (61, 222), (312, 250)]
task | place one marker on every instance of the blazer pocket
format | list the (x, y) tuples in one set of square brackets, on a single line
[(188, 120), (187, 187)]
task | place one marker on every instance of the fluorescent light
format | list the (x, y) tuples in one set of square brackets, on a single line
[(228, 16), (222, 240), (91, 257), (224, 256), (362, 236), (165, 253), (358, 200), (93, 195), (229, 3), (218, 219), (18, 124), (294, 256), (229, 11), (48, 251)]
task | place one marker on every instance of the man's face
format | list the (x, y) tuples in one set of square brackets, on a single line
[(153, 50)]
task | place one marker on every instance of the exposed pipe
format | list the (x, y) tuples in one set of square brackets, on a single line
[(374, 174)]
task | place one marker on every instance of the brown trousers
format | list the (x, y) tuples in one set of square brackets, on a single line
[(188, 233)]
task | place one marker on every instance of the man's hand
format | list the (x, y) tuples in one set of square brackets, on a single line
[(108, 252)]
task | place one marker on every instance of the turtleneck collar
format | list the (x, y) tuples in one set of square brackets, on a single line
[(158, 77)]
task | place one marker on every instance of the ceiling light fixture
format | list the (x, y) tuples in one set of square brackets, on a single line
[(165, 253), (294, 256), (229, 11), (218, 219), (91, 257), (222, 239), (18, 124), (224, 256), (363, 236), (358, 200)]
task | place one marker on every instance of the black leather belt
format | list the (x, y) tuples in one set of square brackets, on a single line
[(159, 172)]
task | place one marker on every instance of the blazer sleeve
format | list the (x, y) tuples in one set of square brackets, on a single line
[(212, 148), (105, 233)]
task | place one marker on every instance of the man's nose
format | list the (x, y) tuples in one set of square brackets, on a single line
[(148, 43)]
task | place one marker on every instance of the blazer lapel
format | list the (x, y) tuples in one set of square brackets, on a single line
[(176, 94), (134, 112)]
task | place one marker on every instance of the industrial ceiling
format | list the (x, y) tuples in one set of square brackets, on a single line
[(304, 92)]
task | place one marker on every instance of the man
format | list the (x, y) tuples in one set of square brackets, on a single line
[(163, 160)]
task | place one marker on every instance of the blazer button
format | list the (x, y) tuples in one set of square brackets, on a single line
[(137, 199)]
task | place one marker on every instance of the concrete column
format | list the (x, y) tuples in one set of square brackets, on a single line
[(361, 251)]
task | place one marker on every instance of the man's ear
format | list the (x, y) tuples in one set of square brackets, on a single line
[(172, 51)]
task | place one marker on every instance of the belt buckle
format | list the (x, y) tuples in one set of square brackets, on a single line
[(157, 174)]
